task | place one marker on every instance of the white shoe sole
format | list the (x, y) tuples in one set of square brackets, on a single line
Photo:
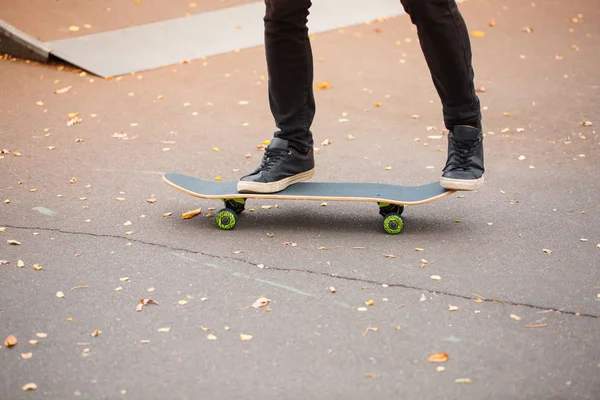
[(272, 187), (461, 184)]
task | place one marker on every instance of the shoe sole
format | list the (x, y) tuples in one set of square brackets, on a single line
[(461, 184), (272, 187)]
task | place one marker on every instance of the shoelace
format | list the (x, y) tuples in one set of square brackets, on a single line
[(271, 157), (464, 152)]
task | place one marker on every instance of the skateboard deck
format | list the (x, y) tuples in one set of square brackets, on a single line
[(391, 198)]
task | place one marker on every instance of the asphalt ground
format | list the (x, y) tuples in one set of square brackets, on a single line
[(518, 260)]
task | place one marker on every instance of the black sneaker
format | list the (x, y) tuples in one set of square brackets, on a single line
[(464, 167), (280, 167)]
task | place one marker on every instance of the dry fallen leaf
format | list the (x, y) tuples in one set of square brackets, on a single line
[(331, 289), (527, 29), (370, 329), (463, 380), (536, 326), (452, 308), (369, 303), (182, 302), (547, 251), (26, 356), (60, 294), (210, 336), (323, 85), (245, 338), (423, 297), (41, 335), (20, 264), (13, 242), (10, 341), (438, 358), (33, 341), (261, 302), (191, 214), (29, 386), (167, 329), (144, 302), (435, 277), (96, 333), (515, 317), (63, 90)]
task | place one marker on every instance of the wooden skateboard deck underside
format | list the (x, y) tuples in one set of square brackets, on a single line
[(323, 191)]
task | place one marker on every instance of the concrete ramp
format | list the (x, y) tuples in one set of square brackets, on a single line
[(20, 44)]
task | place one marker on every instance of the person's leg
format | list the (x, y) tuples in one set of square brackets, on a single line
[(290, 68), (444, 40), (289, 158)]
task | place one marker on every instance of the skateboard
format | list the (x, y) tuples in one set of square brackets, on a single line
[(390, 198)]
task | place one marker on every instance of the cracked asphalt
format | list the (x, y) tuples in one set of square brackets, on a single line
[(519, 260)]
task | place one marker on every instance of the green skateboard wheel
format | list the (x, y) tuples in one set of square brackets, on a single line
[(226, 219), (393, 224)]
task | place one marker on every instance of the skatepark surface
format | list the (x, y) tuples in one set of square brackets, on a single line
[(505, 280)]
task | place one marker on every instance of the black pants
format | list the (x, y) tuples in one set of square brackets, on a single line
[(443, 37)]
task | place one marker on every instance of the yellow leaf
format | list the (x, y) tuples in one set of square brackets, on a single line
[(438, 357), (215, 149), (477, 34), (10, 341), (37, 267), (182, 302), (26, 356), (191, 214), (210, 336), (515, 317), (60, 295), (323, 85), (96, 333), (20, 264), (167, 214), (33, 341), (41, 335), (73, 28), (369, 303), (218, 178), (245, 338)]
